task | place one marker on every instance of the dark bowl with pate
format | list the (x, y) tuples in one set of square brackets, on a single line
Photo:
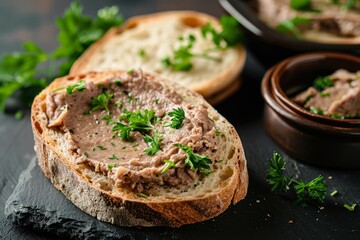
[(329, 137), (269, 45)]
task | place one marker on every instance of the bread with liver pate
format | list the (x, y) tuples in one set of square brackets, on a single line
[(156, 37), (115, 179)]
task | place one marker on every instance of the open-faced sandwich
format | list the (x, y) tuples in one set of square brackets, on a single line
[(134, 149), (191, 48)]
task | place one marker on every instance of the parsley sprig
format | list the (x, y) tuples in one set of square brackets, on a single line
[(178, 116), (154, 143), (101, 102), (195, 161), (27, 73), (169, 164), (79, 86), (292, 25), (229, 36), (315, 190), (134, 121), (321, 83)]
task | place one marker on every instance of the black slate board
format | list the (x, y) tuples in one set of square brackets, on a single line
[(262, 215)]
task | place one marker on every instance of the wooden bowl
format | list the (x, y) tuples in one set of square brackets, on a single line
[(309, 137)]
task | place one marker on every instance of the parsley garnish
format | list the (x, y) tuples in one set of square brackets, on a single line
[(169, 164), (333, 193), (315, 190), (19, 115), (291, 26), (178, 115), (102, 147), (79, 86), (230, 35), (351, 207), (111, 166), (19, 70), (195, 161), (142, 53), (113, 157), (316, 110), (300, 4), (86, 154), (101, 102), (137, 121), (143, 195), (154, 143), (322, 83)]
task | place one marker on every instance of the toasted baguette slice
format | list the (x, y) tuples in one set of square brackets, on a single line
[(157, 36), (58, 120)]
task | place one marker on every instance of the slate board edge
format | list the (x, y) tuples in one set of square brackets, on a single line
[(49, 221)]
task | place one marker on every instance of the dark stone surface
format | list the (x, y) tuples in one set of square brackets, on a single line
[(262, 215)]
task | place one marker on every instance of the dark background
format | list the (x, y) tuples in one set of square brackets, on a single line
[(262, 215)]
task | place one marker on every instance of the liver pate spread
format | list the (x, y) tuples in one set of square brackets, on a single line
[(90, 125), (340, 98), (325, 16)]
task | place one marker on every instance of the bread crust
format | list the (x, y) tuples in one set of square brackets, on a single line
[(124, 210), (208, 88)]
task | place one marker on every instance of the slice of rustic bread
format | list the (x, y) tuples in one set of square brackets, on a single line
[(143, 41), (58, 121)]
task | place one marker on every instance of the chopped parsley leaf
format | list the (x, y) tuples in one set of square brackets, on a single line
[(195, 161), (169, 164), (154, 143), (79, 86), (113, 157), (321, 83), (111, 166), (291, 26), (136, 121), (101, 102), (314, 190), (101, 147), (178, 115), (351, 207), (316, 110), (143, 195), (86, 154)]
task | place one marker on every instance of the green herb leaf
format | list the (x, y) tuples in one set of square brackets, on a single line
[(333, 193), (143, 195), (169, 164), (322, 83), (102, 147), (178, 116), (315, 190), (291, 26), (195, 161), (351, 207), (300, 4), (79, 86), (137, 121), (101, 102), (154, 143), (77, 32), (113, 157), (229, 36), (275, 177), (142, 53), (316, 110), (19, 72), (111, 166)]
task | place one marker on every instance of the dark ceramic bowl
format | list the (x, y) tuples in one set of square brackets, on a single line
[(270, 46), (312, 138)]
